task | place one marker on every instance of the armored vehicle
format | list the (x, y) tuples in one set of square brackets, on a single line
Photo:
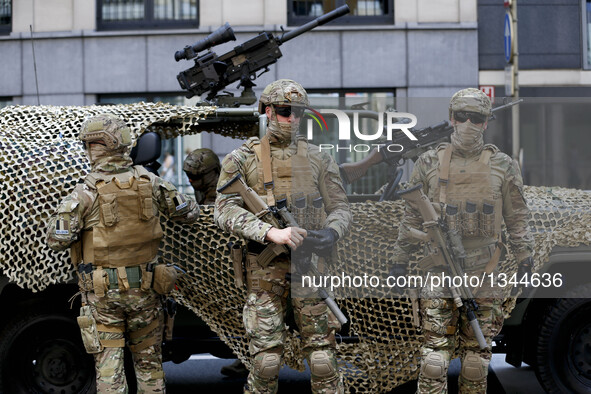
[(40, 350)]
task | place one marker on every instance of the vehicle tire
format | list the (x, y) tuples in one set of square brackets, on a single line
[(564, 343), (41, 351)]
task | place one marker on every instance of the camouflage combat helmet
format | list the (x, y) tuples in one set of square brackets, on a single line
[(472, 100), (201, 161), (283, 92), (108, 129)]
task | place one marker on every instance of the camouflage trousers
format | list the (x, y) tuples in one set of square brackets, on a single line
[(264, 320), (133, 311), (448, 332)]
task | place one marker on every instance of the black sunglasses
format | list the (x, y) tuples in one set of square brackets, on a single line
[(475, 117), (288, 110)]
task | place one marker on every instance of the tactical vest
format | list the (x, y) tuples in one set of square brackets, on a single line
[(293, 179), (471, 205), (129, 231)]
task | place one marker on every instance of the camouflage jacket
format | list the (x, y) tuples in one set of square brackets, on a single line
[(510, 184), (231, 215), (82, 209)]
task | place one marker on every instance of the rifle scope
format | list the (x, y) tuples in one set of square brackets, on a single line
[(220, 36)]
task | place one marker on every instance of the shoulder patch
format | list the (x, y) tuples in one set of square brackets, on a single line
[(229, 165)]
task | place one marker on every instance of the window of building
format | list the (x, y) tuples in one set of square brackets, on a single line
[(586, 34), (362, 11), (5, 16), (146, 14)]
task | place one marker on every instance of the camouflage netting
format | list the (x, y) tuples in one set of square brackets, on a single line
[(42, 160)]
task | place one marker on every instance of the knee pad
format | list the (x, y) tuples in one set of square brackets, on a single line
[(321, 364), (435, 365), (474, 367), (267, 365)]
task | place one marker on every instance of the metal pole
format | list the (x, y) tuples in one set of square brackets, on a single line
[(180, 155), (515, 110), (35, 64)]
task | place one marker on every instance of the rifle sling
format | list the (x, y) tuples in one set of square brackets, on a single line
[(267, 170), (444, 164)]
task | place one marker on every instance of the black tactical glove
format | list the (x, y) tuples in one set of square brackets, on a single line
[(301, 260), (321, 242), (525, 267)]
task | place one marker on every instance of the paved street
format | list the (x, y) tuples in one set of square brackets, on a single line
[(202, 374)]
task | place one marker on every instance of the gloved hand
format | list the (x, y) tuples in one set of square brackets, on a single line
[(525, 267), (321, 242), (301, 260)]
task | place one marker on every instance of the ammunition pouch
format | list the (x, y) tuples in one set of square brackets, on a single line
[(89, 331), (84, 272), (258, 278), (100, 282), (147, 276), (237, 256), (255, 285), (477, 259), (165, 277), (101, 279)]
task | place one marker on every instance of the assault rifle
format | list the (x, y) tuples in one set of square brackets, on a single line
[(445, 249), (427, 138), (279, 218), (212, 73)]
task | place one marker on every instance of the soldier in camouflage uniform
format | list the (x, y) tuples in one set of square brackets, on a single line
[(202, 167), (282, 163), (485, 186), (111, 223)]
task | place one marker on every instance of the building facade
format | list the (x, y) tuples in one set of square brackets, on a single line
[(82, 52)]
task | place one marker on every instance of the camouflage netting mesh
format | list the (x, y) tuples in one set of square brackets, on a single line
[(38, 168)]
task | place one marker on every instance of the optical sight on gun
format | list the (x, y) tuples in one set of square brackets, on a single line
[(220, 36)]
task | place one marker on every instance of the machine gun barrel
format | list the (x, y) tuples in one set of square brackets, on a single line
[(321, 20)]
